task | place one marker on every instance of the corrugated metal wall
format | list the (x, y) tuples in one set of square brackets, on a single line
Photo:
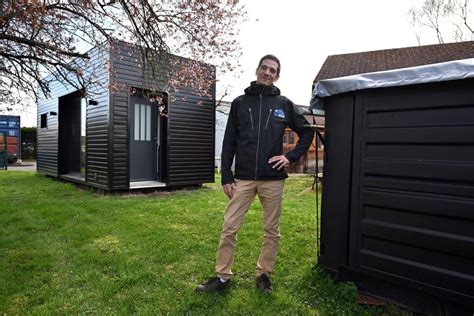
[(97, 123), (412, 196), (191, 138), (190, 121), (47, 138), (126, 73)]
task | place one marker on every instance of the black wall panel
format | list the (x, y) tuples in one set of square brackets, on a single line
[(191, 138), (190, 123), (335, 215), (189, 154), (97, 121), (411, 206)]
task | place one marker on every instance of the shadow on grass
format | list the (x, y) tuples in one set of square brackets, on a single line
[(241, 298)]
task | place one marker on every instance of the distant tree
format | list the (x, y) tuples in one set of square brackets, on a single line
[(28, 142), (451, 20), (8, 101), (45, 36)]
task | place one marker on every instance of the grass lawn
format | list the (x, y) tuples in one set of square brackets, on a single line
[(64, 250)]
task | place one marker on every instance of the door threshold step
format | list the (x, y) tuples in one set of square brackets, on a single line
[(146, 184)]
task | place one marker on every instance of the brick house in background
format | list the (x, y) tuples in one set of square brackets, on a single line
[(307, 162)]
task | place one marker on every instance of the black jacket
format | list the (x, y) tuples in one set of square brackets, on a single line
[(254, 133)]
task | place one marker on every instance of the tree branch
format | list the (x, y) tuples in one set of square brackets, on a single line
[(33, 43)]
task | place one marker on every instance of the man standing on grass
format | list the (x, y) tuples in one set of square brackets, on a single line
[(254, 135)]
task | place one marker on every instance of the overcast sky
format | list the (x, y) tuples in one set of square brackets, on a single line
[(302, 33)]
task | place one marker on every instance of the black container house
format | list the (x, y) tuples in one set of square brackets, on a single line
[(114, 136), (397, 212)]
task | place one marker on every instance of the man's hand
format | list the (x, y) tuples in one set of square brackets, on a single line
[(279, 162), (229, 189)]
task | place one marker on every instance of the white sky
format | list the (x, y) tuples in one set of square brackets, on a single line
[(302, 33)]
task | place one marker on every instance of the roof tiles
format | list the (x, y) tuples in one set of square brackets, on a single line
[(357, 63)]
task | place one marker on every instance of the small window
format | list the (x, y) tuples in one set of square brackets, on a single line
[(291, 137), (142, 122), (44, 120)]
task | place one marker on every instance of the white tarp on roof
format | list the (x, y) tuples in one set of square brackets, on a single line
[(451, 70)]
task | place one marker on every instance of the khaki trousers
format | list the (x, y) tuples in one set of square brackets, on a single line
[(270, 193)]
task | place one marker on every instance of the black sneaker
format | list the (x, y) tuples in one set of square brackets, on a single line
[(214, 284), (264, 284)]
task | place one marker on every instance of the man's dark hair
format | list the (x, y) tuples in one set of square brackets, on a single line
[(271, 57)]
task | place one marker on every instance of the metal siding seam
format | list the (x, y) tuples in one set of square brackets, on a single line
[(110, 122)]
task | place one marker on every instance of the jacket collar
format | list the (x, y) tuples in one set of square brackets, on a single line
[(257, 89)]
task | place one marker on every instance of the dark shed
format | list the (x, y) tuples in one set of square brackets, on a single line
[(113, 137), (397, 212)]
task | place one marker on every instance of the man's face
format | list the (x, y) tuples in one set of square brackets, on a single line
[(267, 72)]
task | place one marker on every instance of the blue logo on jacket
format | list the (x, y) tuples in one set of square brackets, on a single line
[(279, 113)]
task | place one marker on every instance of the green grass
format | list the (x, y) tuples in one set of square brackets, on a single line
[(64, 250)]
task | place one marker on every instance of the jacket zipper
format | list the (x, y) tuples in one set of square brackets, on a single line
[(251, 118), (258, 137), (268, 118)]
